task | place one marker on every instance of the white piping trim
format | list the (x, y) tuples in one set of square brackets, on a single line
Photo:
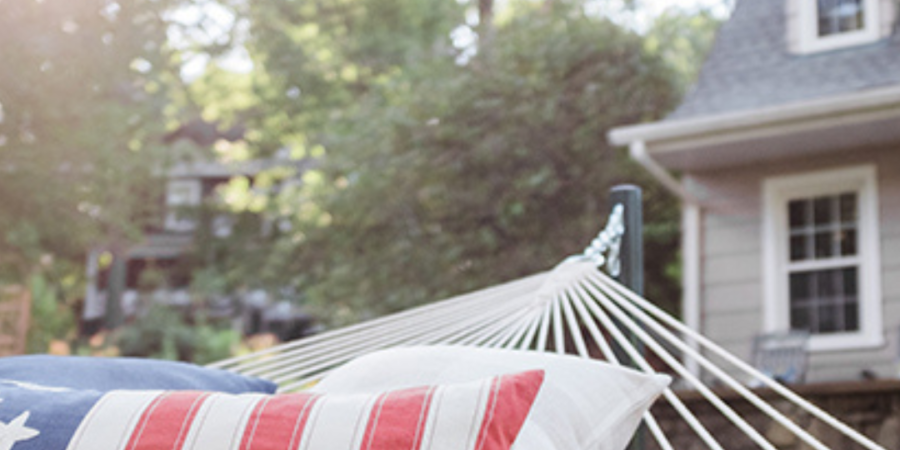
[(691, 232)]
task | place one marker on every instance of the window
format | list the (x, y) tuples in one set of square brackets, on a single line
[(181, 196), (832, 24), (821, 257), (840, 16), (822, 265)]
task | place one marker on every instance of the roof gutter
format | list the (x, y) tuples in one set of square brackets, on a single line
[(686, 129), (691, 215), (638, 151)]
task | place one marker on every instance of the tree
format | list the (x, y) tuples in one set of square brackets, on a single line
[(440, 175), (83, 94), (683, 39)]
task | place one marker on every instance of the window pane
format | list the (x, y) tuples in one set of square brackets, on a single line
[(829, 320), (798, 213), (824, 245), (827, 282), (840, 16), (848, 242), (848, 207), (851, 288), (801, 288), (825, 301), (800, 247), (800, 319), (851, 316), (822, 211)]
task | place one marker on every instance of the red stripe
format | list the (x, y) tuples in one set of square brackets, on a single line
[(278, 422), (166, 421), (508, 405), (397, 420)]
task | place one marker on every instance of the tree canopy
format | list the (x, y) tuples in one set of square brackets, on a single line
[(82, 95), (84, 100), (443, 164)]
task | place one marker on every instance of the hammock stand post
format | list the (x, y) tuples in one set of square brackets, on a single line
[(631, 261), (631, 256)]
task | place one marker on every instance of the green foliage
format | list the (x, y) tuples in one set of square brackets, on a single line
[(683, 40), (438, 176), (166, 333), (50, 319), (82, 90)]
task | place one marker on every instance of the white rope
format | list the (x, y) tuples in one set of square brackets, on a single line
[(353, 340), (737, 363), (681, 370), (448, 331), (531, 334), (393, 321), (719, 373), (581, 347), (635, 356)]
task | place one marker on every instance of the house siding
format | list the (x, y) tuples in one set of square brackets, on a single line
[(732, 294), (888, 15)]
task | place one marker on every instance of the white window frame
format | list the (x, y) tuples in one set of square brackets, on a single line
[(777, 192), (808, 23), (182, 193)]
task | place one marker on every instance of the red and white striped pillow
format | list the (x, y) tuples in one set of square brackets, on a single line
[(582, 405), (482, 415)]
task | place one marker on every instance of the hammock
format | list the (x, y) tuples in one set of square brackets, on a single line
[(576, 309)]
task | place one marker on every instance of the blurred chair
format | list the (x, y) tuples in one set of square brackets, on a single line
[(782, 355)]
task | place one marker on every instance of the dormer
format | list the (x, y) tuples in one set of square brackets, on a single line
[(822, 25)]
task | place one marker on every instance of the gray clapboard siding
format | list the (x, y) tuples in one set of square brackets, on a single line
[(742, 236), (731, 269), (848, 365), (890, 288), (892, 309), (890, 252), (733, 327), (733, 298)]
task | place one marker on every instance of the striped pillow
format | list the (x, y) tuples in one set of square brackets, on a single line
[(582, 405), (481, 415)]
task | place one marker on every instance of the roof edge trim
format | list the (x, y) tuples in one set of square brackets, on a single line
[(723, 124)]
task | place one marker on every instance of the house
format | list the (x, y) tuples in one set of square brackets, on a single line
[(786, 158), (157, 270)]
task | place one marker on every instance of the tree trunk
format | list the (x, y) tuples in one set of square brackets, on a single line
[(485, 23)]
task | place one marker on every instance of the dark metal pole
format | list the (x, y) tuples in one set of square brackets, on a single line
[(631, 253), (631, 257)]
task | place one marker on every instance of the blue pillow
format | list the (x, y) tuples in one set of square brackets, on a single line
[(105, 374)]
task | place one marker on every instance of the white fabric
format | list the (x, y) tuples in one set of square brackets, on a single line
[(583, 404)]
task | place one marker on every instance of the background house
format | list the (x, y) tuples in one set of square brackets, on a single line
[(159, 269), (788, 151)]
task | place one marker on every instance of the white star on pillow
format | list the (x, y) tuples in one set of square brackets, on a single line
[(16, 431)]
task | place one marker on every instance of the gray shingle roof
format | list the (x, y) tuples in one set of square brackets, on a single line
[(750, 67)]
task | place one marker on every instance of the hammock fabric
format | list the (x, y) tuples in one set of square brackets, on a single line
[(575, 309)]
